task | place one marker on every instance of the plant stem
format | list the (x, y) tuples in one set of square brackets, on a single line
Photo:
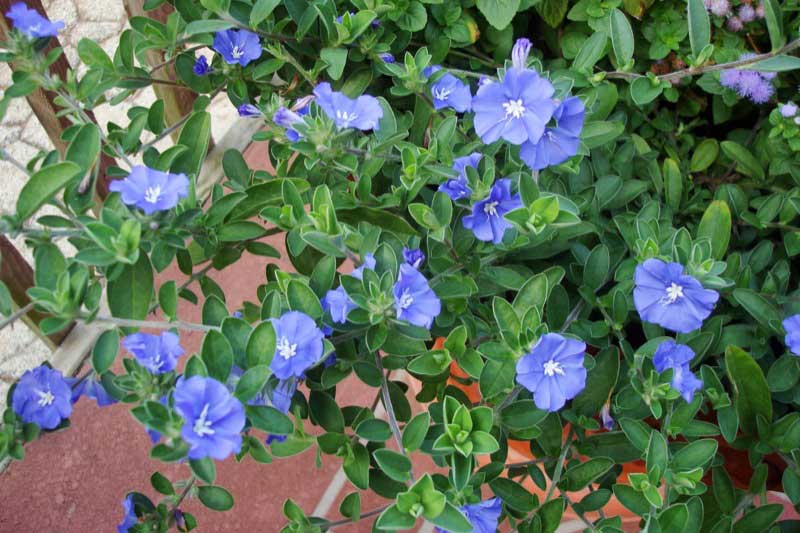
[(344, 521), (5, 156), (179, 501), (387, 403), (560, 465), (154, 324), (580, 514), (17, 315)]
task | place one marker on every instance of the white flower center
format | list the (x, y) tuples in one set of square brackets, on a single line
[(285, 349), (202, 427), (674, 291), (442, 94), (553, 367), (345, 117), (237, 52), (490, 208), (45, 398), (34, 29), (152, 194), (514, 108), (406, 300)]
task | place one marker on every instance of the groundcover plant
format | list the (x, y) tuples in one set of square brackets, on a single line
[(556, 238)]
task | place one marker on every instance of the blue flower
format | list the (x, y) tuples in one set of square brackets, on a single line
[(31, 24), (487, 220), (483, 516), (520, 52), (664, 295), (201, 67), (91, 388), (157, 353), (431, 70), (213, 419), (275, 438), (517, 110), (299, 345), (151, 190), (558, 143), (282, 395), (386, 57), (458, 188), (362, 113), (414, 257), (330, 360), (287, 118), (42, 396), (129, 520), (339, 304), (792, 339), (450, 91), (553, 371), (237, 46), (414, 300), (369, 264), (249, 111), (671, 355), (606, 418)]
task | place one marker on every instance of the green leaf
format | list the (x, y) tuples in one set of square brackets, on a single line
[(513, 494), (673, 183), (43, 185), (759, 519), (356, 467), (6, 303), (336, 58), (84, 148), (261, 345), (392, 519), (498, 13), (597, 267), (704, 155), (377, 217), (674, 519), (751, 395), (550, 514), (774, 18), (595, 134), (261, 10), (693, 455), (129, 295), (716, 226), (326, 412), (105, 351), (374, 430), (207, 26), (168, 299), (302, 298), (746, 163), (204, 469), (779, 63), (162, 484), (600, 381), (621, 36), (215, 498), (699, 26), (552, 11), (592, 50), (582, 474), (413, 18), (195, 136), (251, 382), (759, 308), (351, 506), (217, 354), (415, 431), (243, 230), (657, 455), (451, 519), (643, 91), (269, 419), (393, 464), (93, 55)]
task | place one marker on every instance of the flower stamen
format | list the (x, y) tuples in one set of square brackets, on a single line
[(45, 398), (553, 367), (515, 108), (285, 349), (202, 427), (674, 292), (152, 194)]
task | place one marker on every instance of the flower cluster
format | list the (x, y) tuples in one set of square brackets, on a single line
[(676, 357), (157, 353), (757, 86), (735, 18)]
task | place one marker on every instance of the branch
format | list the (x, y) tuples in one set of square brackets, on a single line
[(372, 512), (17, 315), (387, 402), (154, 324)]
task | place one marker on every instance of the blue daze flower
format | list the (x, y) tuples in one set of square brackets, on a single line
[(43, 397), (201, 66), (520, 52), (237, 46), (91, 388), (157, 353), (339, 304), (792, 339), (450, 91), (605, 417), (560, 142), (249, 111), (151, 190), (386, 57), (487, 220), (413, 257), (414, 300), (362, 113), (664, 295), (516, 109), (129, 520), (287, 118), (458, 188), (553, 371), (369, 264), (31, 24), (213, 418), (757, 86), (671, 355), (299, 345), (282, 394), (483, 516)]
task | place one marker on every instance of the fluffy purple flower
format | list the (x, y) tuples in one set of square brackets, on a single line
[(747, 13), (719, 8), (201, 66), (487, 220), (762, 93), (31, 24), (157, 353), (516, 109), (338, 304), (734, 24), (91, 388), (130, 519), (458, 188), (450, 91), (413, 257), (482, 515), (369, 264), (249, 111), (671, 355), (730, 78), (287, 118), (237, 46), (151, 190), (362, 113), (792, 339), (282, 394), (520, 52), (43, 397), (299, 345), (213, 418), (760, 13), (558, 143), (414, 300), (553, 371), (788, 110), (664, 295), (386, 57)]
